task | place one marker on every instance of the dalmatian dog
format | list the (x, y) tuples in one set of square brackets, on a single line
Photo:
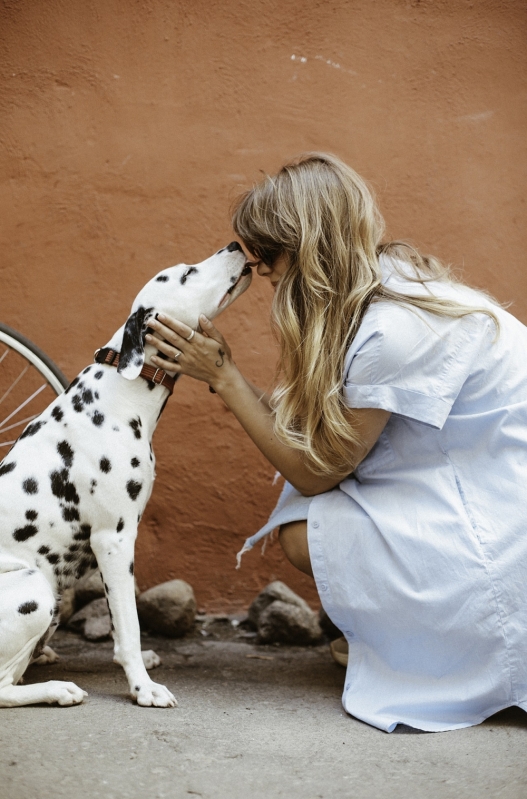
[(74, 486)]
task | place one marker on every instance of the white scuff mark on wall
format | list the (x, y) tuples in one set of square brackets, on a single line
[(334, 64), (303, 59), (481, 117)]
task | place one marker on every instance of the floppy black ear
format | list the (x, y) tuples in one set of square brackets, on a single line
[(132, 357)]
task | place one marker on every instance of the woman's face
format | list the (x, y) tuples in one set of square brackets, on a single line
[(272, 273)]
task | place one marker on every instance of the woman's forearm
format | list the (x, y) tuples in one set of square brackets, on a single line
[(251, 408)]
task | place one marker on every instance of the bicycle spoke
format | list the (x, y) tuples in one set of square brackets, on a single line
[(8, 443), (23, 404), (3, 356), (11, 387), (16, 424)]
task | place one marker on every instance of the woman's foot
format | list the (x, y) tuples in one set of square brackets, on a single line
[(339, 651)]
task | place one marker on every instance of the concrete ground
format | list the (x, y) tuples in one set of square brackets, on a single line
[(253, 722)]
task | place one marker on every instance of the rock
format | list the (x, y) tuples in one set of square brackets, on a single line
[(98, 629), (276, 591), (168, 608), (91, 587), (283, 623), (88, 588), (281, 616), (66, 605), (93, 621)]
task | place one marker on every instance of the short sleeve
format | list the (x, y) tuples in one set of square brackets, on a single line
[(411, 362)]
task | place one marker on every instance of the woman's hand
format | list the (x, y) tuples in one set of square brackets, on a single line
[(205, 356)]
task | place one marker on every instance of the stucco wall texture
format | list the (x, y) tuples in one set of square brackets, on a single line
[(129, 126)]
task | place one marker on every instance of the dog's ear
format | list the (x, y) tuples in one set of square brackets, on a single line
[(132, 356)]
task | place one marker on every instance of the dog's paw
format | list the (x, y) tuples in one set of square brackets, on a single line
[(153, 695), (48, 655), (64, 693), (150, 659)]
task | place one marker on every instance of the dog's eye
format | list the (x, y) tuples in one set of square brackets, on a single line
[(185, 274)]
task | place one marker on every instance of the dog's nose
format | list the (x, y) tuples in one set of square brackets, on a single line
[(233, 247)]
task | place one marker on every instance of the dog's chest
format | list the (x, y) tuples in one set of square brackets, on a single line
[(79, 468)]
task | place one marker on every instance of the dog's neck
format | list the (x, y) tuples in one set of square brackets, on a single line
[(136, 396)]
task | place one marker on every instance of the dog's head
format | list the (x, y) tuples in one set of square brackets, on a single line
[(183, 292)]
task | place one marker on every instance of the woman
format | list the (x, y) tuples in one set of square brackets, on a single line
[(400, 425)]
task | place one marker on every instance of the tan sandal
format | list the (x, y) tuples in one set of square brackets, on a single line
[(339, 651)]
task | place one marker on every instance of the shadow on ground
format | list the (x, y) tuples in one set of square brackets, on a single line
[(253, 722)]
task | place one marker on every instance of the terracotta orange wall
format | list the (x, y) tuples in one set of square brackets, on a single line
[(129, 126)]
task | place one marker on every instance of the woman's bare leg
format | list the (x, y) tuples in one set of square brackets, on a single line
[(293, 538)]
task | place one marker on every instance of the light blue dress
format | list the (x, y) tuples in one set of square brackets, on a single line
[(420, 556)]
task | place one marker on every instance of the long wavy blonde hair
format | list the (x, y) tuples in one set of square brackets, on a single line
[(320, 214)]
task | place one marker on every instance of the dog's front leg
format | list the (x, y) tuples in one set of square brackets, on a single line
[(115, 556)]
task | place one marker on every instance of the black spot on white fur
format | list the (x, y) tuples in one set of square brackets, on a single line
[(28, 607), (98, 374), (120, 525), (105, 465), (70, 513), (88, 369), (72, 385), (31, 515), (23, 533), (31, 429), (5, 468), (162, 278), (133, 488), (135, 462), (135, 424), (43, 550), (97, 418), (66, 453), (84, 533), (132, 568), (189, 271), (30, 486), (57, 413), (62, 488)]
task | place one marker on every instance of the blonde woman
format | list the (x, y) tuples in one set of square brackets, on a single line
[(399, 423)]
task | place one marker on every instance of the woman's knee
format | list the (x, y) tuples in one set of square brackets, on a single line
[(293, 539)]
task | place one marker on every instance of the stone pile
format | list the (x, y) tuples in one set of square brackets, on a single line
[(277, 615), (168, 609), (282, 617)]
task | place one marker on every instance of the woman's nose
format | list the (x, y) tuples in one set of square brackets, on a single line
[(263, 270)]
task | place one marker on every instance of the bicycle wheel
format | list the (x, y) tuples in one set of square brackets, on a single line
[(29, 381)]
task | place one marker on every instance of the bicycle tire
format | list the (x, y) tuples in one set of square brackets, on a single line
[(49, 370)]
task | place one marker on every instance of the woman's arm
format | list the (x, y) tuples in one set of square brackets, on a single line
[(207, 357)]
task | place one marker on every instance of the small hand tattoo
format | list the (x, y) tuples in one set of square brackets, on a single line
[(221, 354)]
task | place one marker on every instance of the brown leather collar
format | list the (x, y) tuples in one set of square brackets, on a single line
[(149, 373)]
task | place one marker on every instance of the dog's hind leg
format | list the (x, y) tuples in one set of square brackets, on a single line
[(27, 607)]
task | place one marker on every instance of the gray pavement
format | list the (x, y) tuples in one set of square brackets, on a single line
[(253, 722)]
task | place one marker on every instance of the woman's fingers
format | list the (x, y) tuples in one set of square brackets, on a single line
[(173, 331), (209, 329), (164, 347)]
